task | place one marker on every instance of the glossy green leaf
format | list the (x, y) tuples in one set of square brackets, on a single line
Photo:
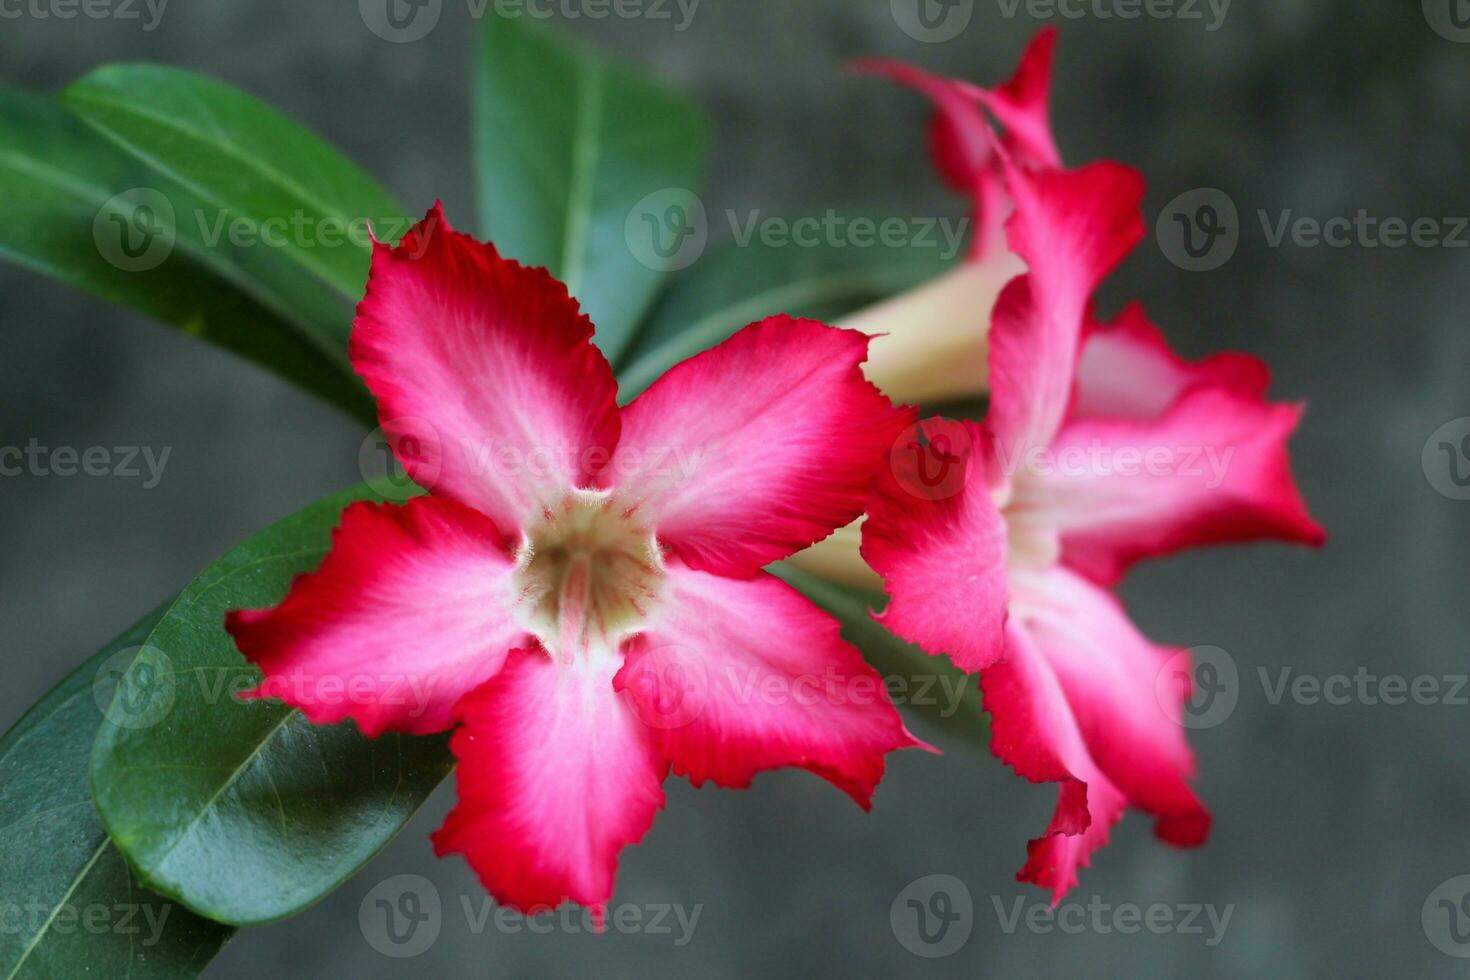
[(244, 811), (567, 146), (70, 906), (930, 688), (81, 211), (256, 180), (737, 284)]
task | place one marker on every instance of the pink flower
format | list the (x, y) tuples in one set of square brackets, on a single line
[(1100, 447), (582, 593)]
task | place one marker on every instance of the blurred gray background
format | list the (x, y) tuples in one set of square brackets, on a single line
[(1334, 823)]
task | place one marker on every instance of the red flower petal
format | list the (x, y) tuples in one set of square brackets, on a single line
[(488, 384), (743, 675), (409, 610), (960, 137), (1033, 731), (1213, 470), (1077, 702), (556, 775), (751, 451), (1127, 370), (1071, 227), (935, 536)]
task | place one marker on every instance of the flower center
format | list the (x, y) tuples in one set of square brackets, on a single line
[(587, 574)]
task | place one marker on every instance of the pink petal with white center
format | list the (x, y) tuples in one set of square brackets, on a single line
[(737, 676), (751, 451), (1213, 470), (410, 609), (1071, 227), (488, 385), (556, 775), (1128, 370), (1033, 730), (1108, 676), (936, 537)]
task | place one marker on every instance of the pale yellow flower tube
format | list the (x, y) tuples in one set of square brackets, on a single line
[(929, 345)]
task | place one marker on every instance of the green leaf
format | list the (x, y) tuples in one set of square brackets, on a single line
[(69, 196), (71, 907), (567, 144), (251, 172), (931, 688), (244, 811), (738, 284)]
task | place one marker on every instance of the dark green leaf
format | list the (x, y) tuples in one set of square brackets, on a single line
[(738, 284), (249, 173), (929, 687), (567, 145), (74, 208), (246, 812), (71, 907)]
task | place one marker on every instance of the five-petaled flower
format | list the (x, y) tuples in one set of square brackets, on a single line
[(1100, 447), (587, 625)]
